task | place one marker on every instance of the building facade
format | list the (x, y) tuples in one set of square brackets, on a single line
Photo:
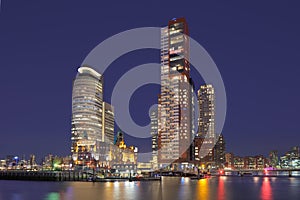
[(247, 162), (274, 158), (123, 158), (92, 118), (229, 160), (206, 120), (196, 146), (175, 124), (219, 152), (291, 159), (154, 138), (238, 162), (108, 120)]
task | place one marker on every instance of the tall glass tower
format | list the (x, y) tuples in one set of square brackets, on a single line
[(87, 109), (175, 124), (206, 122)]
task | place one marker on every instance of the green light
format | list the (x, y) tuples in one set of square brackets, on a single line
[(53, 196)]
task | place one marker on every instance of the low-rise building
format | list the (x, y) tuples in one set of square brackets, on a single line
[(229, 160), (238, 162)]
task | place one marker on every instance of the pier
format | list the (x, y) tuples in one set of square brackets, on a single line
[(65, 176), (44, 175)]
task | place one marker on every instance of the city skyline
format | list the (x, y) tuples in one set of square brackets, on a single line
[(29, 121)]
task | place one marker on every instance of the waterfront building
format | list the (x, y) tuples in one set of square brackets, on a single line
[(196, 146), (274, 159), (144, 167), (52, 162), (219, 152), (261, 162), (215, 158), (104, 152), (108, 120), (92, 119), (206, 121), (9, 160), (123, 158), (229, 160), (238, 162), (154, 138), (32, 162), (47, 162), (3, 165), (291, 159), (175, 124), (87, 109), (123, 153), (249, 162)]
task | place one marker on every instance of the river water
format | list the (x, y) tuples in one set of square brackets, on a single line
[(169, 188)]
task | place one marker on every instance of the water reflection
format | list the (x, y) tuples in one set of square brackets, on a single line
[(203, 190), (62, 195), (266, 189), (218, 188), (221, 191), (53, 196), (16, 197), (256, 179), (69, 194)]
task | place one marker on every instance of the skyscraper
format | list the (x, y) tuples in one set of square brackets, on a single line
[(175, 124), (92, 119), (206, 121), (154, 135), (108, 120), (219, 152)]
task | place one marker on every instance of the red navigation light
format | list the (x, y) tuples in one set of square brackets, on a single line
[(221, 172), (265, 171)]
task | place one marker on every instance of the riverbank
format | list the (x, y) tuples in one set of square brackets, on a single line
[(65, 176)]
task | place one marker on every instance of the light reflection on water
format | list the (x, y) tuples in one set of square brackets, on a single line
[(266, 189), (220, 188), (203, 189), (53, 196), (256, 179)]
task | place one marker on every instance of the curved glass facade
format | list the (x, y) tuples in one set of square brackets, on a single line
[(87, 108)]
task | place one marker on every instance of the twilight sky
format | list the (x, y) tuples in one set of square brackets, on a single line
[(42, 43)]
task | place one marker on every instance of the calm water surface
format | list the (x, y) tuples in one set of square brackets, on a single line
[(170, 188)]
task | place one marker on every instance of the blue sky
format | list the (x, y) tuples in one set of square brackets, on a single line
[(255, 45)]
